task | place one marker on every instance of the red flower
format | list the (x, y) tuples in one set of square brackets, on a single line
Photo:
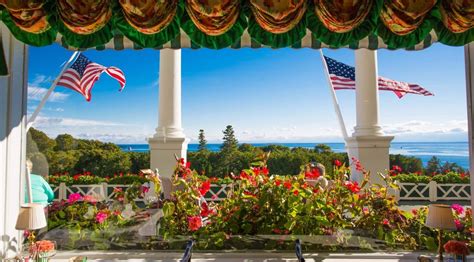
[(249, 193), (277, 182), (194, 223), (265, 170), (313, 174), (357, 164), (352, 186), (205, 210), (205, 187), (385, 222), (76, 177), (244, 175), (181, 161), (337, 163), (287, 184), (456, 247), (256, 170), (296, 192)]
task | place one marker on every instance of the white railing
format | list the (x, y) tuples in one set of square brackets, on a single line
[(434, 192), (106, 192), (408, 191)]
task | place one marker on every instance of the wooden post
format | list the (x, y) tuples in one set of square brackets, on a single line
[(433, 190)]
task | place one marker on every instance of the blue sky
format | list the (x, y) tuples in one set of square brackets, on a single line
[(267, 95)]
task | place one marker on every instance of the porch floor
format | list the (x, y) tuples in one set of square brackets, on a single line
[(161, 256)]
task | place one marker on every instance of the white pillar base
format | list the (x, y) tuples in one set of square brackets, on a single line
[(162, 157), (163, 151), (373, 154)]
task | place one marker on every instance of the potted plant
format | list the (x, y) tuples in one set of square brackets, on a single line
[(457, 249)]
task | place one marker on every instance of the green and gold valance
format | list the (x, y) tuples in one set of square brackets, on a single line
[(82, 24)]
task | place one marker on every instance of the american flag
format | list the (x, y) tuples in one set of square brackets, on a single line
[(83, 74), (343, 77)]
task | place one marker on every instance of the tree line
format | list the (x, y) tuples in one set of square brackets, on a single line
[(66, 154)]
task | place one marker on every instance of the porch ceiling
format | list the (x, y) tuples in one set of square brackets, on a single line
[(137, 24)]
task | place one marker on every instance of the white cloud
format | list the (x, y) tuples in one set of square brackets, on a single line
[(423, 127), (116, 138), (47, 122), (37, 90)]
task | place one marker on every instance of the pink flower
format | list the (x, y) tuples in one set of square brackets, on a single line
[(385, 222), (89, 199), (458, 224), (458, 209), (101, 217), (73, 198), (145, 189)]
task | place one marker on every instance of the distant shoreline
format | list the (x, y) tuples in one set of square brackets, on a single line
[(454, 152)]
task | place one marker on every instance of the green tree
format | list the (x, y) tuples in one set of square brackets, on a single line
[(322, 148), (40, 139), (433, 166), (409, 164), (104, 163), (65, 142), (202, 141), (230, 143)]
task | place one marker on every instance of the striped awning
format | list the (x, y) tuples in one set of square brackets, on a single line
[(372, 42)]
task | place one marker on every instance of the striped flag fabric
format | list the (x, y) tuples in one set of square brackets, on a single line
[(83, 74), (343, 77)]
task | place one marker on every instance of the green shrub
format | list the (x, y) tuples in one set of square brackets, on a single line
[(56, 180), (450, 178), (412, 178), (127, 180), (88, 180)]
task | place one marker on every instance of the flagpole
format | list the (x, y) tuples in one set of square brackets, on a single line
[(337, 108), (32, 118)]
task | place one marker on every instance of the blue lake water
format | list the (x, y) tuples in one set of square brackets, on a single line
[(454, 152)]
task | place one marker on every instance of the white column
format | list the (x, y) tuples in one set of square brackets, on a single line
[(367, 94), (169, 138), (368, 143), (469, 64), (169, 121), (13, 98)]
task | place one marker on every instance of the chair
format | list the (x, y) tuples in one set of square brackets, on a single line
[(298, 251), (188, 252)]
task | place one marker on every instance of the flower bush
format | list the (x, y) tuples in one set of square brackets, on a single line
[(261, 204)]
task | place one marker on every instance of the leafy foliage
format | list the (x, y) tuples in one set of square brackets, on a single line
[(413, 178)]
